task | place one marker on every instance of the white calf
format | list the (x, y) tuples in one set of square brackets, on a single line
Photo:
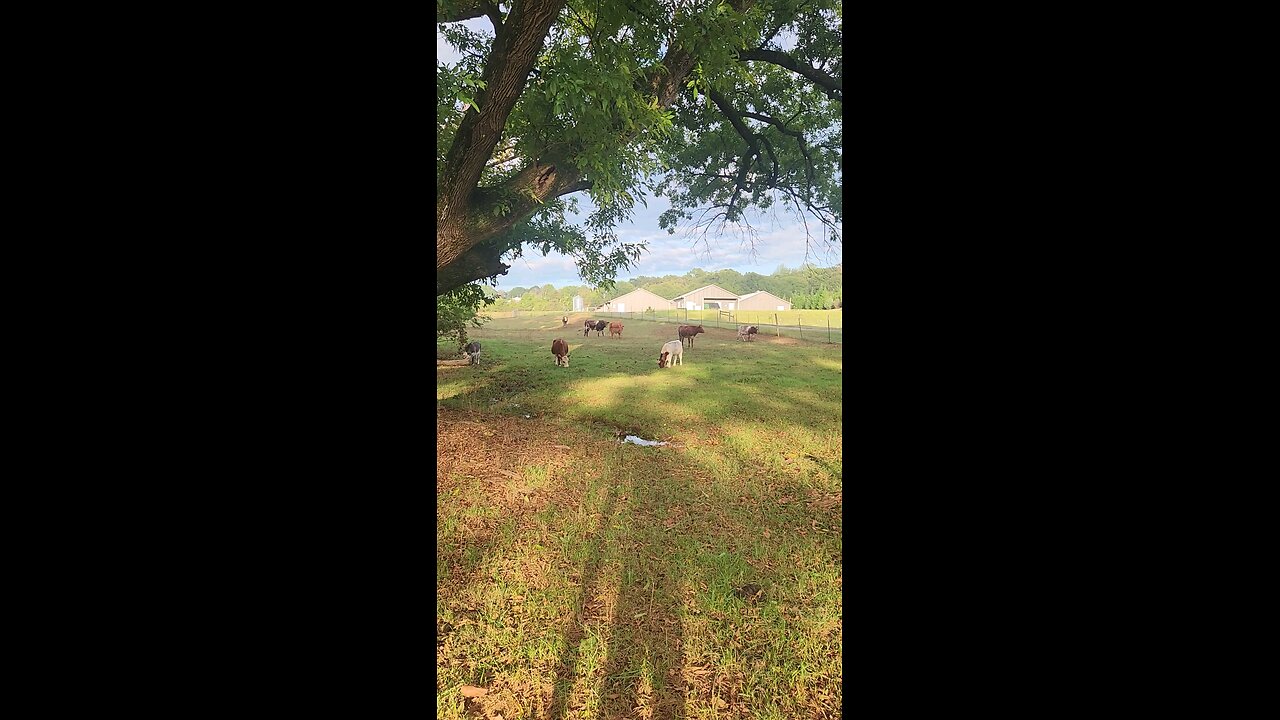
[(671, 352)]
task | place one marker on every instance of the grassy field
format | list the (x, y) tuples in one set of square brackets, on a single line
[(577, 577)]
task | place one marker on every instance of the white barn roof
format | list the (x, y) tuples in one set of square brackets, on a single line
[(727, 294)]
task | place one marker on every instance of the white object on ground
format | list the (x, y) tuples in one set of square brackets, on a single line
[(641, 441)]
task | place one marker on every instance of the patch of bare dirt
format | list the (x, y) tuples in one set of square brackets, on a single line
[(494, 448), (512, 463), (782, 340)]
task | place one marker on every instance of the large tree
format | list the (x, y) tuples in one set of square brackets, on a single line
[(723, 106)]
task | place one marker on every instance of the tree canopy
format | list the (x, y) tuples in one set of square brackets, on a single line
[(725, 107)]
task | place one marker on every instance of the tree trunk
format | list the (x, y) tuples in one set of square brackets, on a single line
[(515, 50)]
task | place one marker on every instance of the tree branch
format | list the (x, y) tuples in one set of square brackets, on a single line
[(479, 262), (753, 143), (833, 86), (495, 16), (632, 7), (773, 174), (457, 10), (522, 195), (798, 135), (576, 187), (667, 78), (590, 30)]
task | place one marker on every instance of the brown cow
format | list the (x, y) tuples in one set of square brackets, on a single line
[(688, 332), (615, 329), (560, 349)]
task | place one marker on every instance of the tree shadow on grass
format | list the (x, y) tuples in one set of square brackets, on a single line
[(644, 660), (641, 670), (578, 620)]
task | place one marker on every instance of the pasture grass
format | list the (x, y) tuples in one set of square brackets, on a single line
[(582, 578)]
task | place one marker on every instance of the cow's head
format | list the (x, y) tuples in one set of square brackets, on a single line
[(662, 359)]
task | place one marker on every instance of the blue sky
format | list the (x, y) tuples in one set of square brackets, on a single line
[(779, 238)]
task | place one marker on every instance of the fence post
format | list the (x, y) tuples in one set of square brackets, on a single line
[(799, 324), (828, 329), (776, 330)]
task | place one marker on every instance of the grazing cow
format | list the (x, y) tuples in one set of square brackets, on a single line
[(600, 326), (671, 353), (689, 331), (615, 329), (473, 350), (560, 349), (746, 331)]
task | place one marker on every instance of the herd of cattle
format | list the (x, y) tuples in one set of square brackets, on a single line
[(672, 353), (615, 329)]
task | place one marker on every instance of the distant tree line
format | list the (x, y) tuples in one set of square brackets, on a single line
[(807, 287)]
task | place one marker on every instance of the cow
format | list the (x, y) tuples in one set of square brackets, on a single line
[(588, 323), (600, 326), (746, 331), (615, 329), (564, 321), (473, 349), (560, 349), (672, 352), (689, 331)]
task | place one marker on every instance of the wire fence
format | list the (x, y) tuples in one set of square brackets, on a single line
[(777, 323)]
